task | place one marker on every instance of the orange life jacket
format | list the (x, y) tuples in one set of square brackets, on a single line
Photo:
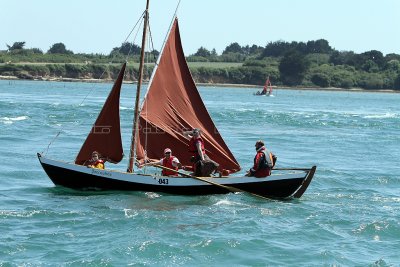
[(168, 163)]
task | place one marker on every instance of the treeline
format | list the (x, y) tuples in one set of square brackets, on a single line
[(72, 71), (314, 63), (58, 53)]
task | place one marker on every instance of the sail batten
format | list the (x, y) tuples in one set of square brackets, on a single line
[(105, 135), (172, 105)]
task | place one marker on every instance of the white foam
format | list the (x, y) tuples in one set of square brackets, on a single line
[(381, 116), (130, 213), (8, 120), (22, 214)]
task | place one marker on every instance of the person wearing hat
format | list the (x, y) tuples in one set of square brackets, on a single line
[(202, 164), (264, 161), (168, 161), (196, 144)]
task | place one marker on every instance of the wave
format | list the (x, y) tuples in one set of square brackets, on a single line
[(10, 120), (230, 203), (129, 213), (124, 108), (22, 214), (381, 116)]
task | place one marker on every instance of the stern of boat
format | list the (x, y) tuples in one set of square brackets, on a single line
[(305, 183)]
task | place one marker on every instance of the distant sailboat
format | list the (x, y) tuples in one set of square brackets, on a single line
[(172, 104), (267, 89)]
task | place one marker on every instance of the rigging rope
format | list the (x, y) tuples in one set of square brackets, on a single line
[(134, 39), (176, 9), (48, 146), (152, 45)]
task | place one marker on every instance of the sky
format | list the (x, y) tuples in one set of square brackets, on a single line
[(97, 26)]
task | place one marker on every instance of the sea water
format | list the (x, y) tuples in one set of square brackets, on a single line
[(349, 216)]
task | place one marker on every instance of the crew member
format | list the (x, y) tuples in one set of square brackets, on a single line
[(264, 161), (168, 161), (96, 162)]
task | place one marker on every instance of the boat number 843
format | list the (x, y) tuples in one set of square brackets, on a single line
[(162, 181)]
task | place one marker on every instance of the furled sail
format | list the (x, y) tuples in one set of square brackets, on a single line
[(105, 136), (173, 104)]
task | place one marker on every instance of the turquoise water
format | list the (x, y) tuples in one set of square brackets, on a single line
[(349, 216)]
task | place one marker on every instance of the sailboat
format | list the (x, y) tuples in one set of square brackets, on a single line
[(267, 89), (172, 104)]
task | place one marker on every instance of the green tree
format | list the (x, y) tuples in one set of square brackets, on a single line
[(253, 75), (321, 79), (370, 66), (16, 46), (393, 65), (300, 47), (370, 81), (59, 48), (127, 49), (74, 70), (319, 46), (293, 68), (275, 49), (253, 50), (233, 57), (342, 58), (392, 56), (36, 51), (203, 52), (233, 48), (397, 83), (375, 56)]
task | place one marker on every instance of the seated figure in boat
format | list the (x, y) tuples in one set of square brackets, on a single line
[(264, 91), (168, 161), (264, 161), (202, 165), (95, 161)]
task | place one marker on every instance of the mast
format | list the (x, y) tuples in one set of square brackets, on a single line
[(136, 116)]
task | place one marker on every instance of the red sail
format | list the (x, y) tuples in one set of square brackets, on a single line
[(173, 104), (105, 136)]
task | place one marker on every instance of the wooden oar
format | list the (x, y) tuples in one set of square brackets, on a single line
[(229, 188)]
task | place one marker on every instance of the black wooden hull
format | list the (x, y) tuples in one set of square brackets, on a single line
[(79, 177)]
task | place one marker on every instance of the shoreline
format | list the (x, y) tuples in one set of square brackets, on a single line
[(230, 85)]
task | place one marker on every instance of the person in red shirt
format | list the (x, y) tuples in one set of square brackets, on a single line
[(203, 166), (264, 161), (168, 161), (196, 144)]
